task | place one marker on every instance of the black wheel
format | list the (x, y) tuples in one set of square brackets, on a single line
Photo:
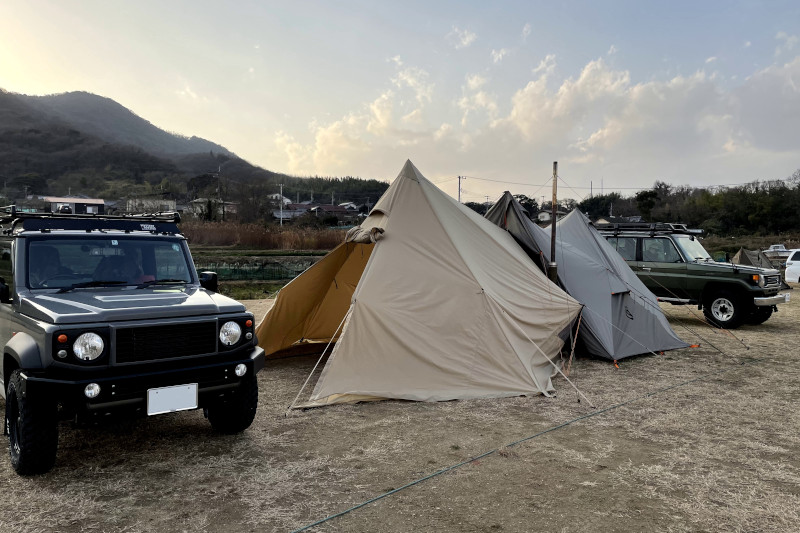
[(237, 412), (725, 309), (32, 426), (759, 315)]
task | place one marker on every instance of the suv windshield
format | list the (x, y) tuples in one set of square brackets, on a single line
[(93, 261), (692, 248)]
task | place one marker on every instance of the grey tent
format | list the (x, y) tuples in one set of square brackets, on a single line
[(621, 316)]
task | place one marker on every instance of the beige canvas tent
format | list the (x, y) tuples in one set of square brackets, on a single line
[(427, 301)]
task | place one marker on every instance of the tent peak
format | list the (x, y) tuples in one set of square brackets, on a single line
[(410, 171)]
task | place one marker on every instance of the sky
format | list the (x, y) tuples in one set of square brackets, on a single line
[(620, 93)]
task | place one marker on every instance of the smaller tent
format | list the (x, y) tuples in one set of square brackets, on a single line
[(753, 258), (621, 316), (756, 258), (425, 300)]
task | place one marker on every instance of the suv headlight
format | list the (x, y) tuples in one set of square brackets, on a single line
[(88, 346), (230, 333)]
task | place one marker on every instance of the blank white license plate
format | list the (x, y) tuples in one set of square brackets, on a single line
[(171, 399)]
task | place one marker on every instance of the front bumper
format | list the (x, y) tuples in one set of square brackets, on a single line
[(127, 394), (764, 301)]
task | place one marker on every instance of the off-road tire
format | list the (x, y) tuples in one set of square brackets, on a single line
[(759, 315), (32, 427), (237, 412), (726, 309)]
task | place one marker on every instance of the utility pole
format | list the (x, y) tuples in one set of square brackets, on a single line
[(552, 268), (219, 191), (459, 187), (281, 200)]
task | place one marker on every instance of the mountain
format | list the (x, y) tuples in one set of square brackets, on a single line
[(80, 143), (107, 120)]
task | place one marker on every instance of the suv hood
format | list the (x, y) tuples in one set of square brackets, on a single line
[(741, 268), (86, 306)]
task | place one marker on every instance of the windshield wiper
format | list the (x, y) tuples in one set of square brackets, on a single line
[(94, 283), (166, 281)]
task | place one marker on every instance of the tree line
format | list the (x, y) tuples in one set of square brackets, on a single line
[(756, 208)]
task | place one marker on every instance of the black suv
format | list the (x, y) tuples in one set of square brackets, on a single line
[(106, 316), (672, 263)]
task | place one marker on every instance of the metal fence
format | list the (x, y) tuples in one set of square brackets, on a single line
[(238, 272)]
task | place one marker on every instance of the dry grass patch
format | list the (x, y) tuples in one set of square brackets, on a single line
[(718, 454)]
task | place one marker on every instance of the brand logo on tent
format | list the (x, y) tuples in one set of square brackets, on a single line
[(628, 313)]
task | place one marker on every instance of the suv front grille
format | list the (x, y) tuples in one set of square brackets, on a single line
[(150, 343), (770, 281)]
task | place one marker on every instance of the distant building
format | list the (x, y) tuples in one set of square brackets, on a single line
[(199, 207), (618, 220), (336, 210), (276, 197), (74, 204), (545, 216), (291, 211), (150, 204)]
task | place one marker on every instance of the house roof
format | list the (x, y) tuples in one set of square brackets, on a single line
[(72, 200)]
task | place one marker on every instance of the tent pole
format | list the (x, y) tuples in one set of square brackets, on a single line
[(350, 310), (552, 268)]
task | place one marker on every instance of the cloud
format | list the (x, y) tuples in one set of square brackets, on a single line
[(711, 60), (416, 79), (460, 38), (381, 111), (546, 65), (597, 121), (788, 42), (612, 50), (526, 30), (768, 107), (188, 94), (747, 44), (298, 157), (475, 81), (498, 55)]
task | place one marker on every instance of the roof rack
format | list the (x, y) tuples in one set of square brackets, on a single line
[(648, 227), (152, 222), (10, 213)]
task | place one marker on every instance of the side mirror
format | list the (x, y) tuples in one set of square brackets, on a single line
[(208, 280), (5, 295)]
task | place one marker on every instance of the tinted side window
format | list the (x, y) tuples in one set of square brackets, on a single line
[(660, 250), (626, 246), (796, 256), (5, 264)]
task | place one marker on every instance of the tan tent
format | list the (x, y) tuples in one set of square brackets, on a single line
[(427, 301)]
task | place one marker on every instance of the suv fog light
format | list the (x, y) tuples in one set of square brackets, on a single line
[(240, 369), (61, 354), (248, 335), (92, 390)]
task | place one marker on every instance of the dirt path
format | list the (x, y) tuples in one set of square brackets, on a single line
[(719, 452)]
